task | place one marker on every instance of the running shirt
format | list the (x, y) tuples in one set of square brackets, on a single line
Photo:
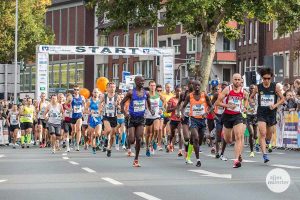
[(167, 97), (77, 107), (137, 105), (236, 99), (110, 109), (67, 113), (85, 119), (211, 115), (266, 98), (219, 110), (173, 102), (94, 106), (28, 114), (252, 109), (13, 118), (154, 100), (187, 108), (42, 108), (198, 107), (54, 114)]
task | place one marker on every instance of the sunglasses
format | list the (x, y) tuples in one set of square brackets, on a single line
[(158, 90), (266, 78), (76, 89)]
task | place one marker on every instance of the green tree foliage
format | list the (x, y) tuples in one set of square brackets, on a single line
[(201, 18), (32, 29)]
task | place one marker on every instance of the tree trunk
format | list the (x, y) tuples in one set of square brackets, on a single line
[(208, 53)]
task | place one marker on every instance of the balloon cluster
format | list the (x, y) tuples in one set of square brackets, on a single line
[(101, 85)]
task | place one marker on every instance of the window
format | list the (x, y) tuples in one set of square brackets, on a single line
[(286, 64), (191, 45), (250, 63), (226, 74), (137, 68), (275, 33), (80, 74), (255, 62), (176, 45), (245, 66), (255, 31), (105, 19), (64, 76), (162, 15), (240, 66), (126, 40), (56, 75), (269, 27), (244, 35), (102, 70), (137, 41), (116, 41), (150, 38), (115, 71), (125, 67), (72, 77), (296, 64), (148, 69), (162, 43), (103, 40), (226, 44), (250, 32)]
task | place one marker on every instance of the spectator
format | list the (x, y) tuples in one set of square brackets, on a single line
[(290, 102), (286, 87)]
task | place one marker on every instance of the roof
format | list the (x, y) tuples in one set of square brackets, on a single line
[(62, 2)]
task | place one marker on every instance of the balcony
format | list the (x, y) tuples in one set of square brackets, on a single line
[(221, 57)]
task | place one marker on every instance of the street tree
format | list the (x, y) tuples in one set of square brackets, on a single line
[(205, 18), (31, 28)]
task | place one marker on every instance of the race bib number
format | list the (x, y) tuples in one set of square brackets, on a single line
[(220, 110), (14, 120), (77, 109), (155, 106), (85, 118), (27, 116), (267, 100), (187, 110), (110, 108), (198, 110), (95, 115), (139, 105), (67, 113), (55, 115), (237, 104)]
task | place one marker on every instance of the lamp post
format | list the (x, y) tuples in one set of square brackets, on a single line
[(16, 56)]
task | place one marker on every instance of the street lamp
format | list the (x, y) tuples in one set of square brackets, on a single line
[(16, 55)]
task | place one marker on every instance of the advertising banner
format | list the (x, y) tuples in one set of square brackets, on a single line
[(290, 130)]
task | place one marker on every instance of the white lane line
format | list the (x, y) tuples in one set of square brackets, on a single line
[(286, 166), (211, 174), (246, 161), (88, 170), (65, 158), (64, 154), (1, 181), (2, 156), (146, 196), (73, 163), (209, 155), (112, 181)]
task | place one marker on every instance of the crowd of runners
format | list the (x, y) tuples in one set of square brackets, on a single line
[(153, 118)]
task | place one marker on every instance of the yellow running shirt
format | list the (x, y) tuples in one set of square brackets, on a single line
[(28, 114), (167, 97)]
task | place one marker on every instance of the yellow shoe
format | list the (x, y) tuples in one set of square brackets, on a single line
[(252, 154)]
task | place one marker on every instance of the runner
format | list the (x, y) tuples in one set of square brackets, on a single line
[(219, 123), (174, 109), (95, 121), (110, 115), (152, 121), (66, 125), (138, 97), (252, 121), (27, 115), (211, 122), (42, 125), (268, 93), (78, 103), (121, 125), (161, 120), (200, 105), (13, 123), (232, 116), (55, 111)]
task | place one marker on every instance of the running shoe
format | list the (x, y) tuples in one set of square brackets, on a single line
[(104, 149), (108, 153), (223, 158), (266, 159), (236, 164), (77, 148), (53, 151), (68, 150), (200, 151), (23, 146), (257, 147), (154, 145), (217, 155), (152, 151), (130, 154), (188, 162), (117, 147), (41, 145), (14, 146), (136, 163), (198, 163), (147, 152), (252, 154), (240, 158), (27, 146), (180, 153), (124, 147), (34, 143), (64, 145), (160, 148), (213, 150), (270, 149), (94, 150)]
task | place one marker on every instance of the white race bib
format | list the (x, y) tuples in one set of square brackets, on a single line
[(14, 120), (85, 119), (237, 104), (77, 109), (198, 110), (187, 110), (138, 105), (267, 100), (67, 113), (220, 110), (110, 108)]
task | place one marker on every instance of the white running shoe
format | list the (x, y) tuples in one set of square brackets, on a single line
[(124, 147), (117, 147), (68, 150), (223, 158), (188, 162)]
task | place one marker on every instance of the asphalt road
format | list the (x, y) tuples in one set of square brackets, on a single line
[(37, 174)]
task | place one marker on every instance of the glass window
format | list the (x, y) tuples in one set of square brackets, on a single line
[(137, 68), (56, 76), (102, 70), (226, 74), (287, 64), (250, 32), (116, 41), (64, 75), (136, 40), (176, 45), (103, 40), (192, 45), (148, 69), (115, 71), (296, 64), (226, 44), (162, 43), (72, 77), (143, 39), (125, 67), (150, 39), (162, 15), (80, 74), (126, 40)]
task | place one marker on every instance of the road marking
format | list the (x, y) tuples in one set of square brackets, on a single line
[(112, 181), (1, 181), (278, 153), (64, 154), (207, 173), (2, 156), (210, 155), (88, 170), (286, 166), (146, 196), (246, 161), (73, 163), (65, 158)]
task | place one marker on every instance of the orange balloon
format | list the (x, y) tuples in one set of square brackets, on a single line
[(101, 83), (84, 92)]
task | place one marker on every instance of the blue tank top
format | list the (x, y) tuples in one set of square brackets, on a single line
[(77, 106), (137, 106), (94, 105)]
